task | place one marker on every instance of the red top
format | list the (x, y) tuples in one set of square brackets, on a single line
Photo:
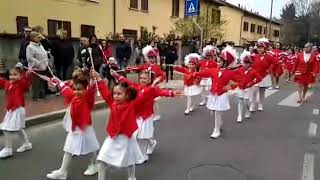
[(220, 79), (147, 107), (123, 117), (262, 63), (303, 67), (107, 52), (80, 106), (150, 67), (188, 79), (207, 64), (247, 77), (15, 91)]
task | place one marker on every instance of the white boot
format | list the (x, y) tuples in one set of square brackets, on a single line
[(260, 107), (216, 134), (248, 114), (239, 119), (57, 174), (187, 112), (252, 108), (6, 152), (151, 148), (91, 170), (24, 147)]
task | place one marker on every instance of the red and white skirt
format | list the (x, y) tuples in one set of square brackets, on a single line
[(218, 103), (14, 120), (193, 90)]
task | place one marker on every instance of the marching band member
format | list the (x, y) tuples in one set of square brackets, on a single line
[(14, 121), (277, 69), (209, 54), (223, 80), (262, 64), (191, 84), (305, 70), (248, 77)]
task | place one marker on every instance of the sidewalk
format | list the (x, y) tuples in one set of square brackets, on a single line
[(53, 106)]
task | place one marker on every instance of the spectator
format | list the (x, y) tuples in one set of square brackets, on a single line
[(38, 60), (23, 46), (193, 46), (107, 49), (138, 53), (63, 52), (84, 44), (171, 57), (162, 47), (44, 41), (123, 52), (97, 54)]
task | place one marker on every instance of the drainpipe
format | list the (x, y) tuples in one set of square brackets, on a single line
[(241, 27), (114, 17)]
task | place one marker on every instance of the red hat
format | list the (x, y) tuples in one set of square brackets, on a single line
[(263, 42), (229, 55), (152, 53), (246, 57), (192, 58)]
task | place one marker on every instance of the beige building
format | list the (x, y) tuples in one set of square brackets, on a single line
[(102, 17)]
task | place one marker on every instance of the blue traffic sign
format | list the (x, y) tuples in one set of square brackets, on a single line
[(192, 8)]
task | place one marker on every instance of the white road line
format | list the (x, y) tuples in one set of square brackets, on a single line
[(291, 100), (270, 92), (315, 112), (308, 167), (312, 132)]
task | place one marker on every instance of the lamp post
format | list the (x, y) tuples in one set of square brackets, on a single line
[(270, 19)]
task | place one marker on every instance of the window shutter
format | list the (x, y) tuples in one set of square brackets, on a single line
[(22, 22), (67, 26)]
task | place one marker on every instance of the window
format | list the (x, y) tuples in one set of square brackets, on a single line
[(276, 33), (130, 33), (215, 16), (175, 8), (245, 26), (22, 22), (55, 25), (253, 28), (134, 4), (87, 30), (259, 31), (265, 30), (144, 5)]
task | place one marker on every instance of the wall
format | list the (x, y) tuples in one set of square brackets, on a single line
[(159, 15), (233, 26), (77, 11)]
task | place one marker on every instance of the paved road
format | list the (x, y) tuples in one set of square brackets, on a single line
[(273, 145)]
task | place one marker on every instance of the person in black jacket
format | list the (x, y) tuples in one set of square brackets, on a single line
[(123, 53), (63, 52), (162, 47), (23, 47), (97, 54), (171, 57)]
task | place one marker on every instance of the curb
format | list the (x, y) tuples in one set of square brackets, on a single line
[(54, 115)]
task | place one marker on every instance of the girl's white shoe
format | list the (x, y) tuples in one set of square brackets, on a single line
[(6, 152), (57, 174), (92, 170)]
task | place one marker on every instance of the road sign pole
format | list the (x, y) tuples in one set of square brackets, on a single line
[(201, 31)]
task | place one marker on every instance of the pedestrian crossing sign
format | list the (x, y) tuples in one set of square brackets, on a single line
[(192, 8)]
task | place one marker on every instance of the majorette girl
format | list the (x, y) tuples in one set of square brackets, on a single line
[(208, 61), (191, 84), (223, 79)]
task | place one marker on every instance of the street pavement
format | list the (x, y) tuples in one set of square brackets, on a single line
[(279, 143)]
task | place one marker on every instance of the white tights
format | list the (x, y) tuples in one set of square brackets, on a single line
[(218, 120), (103, 168), (257, 96), (189, 102), (242, 103), (67, 157), (8, 137)]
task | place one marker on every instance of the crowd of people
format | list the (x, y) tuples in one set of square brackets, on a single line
[(212, 74)]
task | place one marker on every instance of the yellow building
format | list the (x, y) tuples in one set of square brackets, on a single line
[(84, 17), (244, 26)]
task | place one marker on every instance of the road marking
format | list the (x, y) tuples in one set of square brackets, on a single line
[(291, 100), (270, 92), (315, 112), (308, 167), (312, 132)]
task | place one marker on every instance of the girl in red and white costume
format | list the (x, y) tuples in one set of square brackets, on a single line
[(248, 77), (191, 84), (289, 59), (145, 120), (209, 54), (222, 81), (81, 139), (277, 69), (121, 148), (262, 64), (305, 70), (14, 121)]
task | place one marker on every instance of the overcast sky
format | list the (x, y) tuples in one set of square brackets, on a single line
[(262, 6)]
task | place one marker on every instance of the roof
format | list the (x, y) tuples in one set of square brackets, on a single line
[(247, 12), (218, 2)]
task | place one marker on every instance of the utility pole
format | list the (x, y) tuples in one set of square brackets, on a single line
[(270, 19)]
